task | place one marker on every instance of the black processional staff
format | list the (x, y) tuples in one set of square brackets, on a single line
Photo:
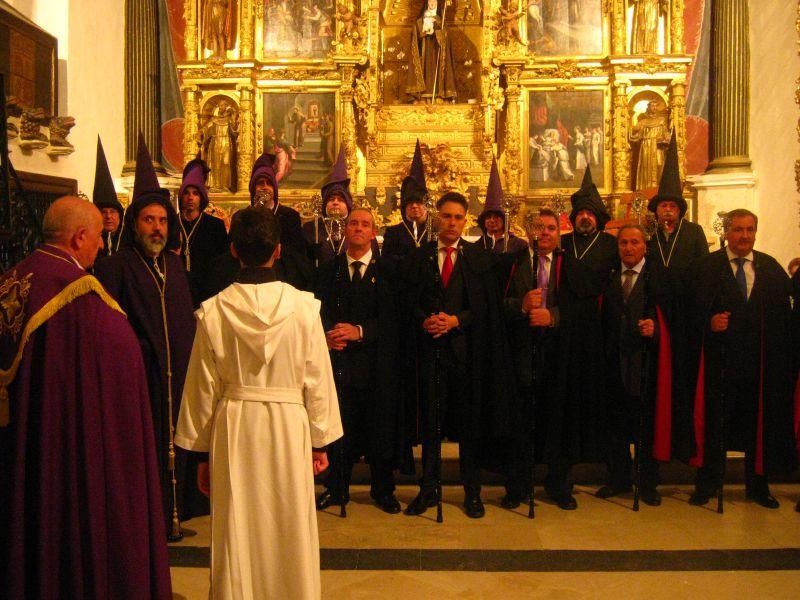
[(638, 206), (534, 227), (341, 274), (432, 236), (720, 228), (316, 208)]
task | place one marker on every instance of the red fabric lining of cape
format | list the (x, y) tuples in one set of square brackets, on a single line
[(698, 460), (662, 438)]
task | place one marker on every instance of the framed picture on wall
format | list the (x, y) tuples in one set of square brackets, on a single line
[(301, 129), (28, 61), (297, 30), (565, 27), (566, 136)]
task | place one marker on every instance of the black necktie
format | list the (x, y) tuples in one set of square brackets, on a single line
[(741, 280), (356, 271)]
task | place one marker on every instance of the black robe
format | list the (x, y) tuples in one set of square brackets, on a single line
[(756, 346), (485, 353), (291, 231), (110, 240), (398, 240), (600, 255), (207, 239), (684, 248), (570, 405), (128, 278), (371, 363), (292, 268), (659, 382)]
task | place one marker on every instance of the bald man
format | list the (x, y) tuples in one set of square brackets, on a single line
[(79, 493)]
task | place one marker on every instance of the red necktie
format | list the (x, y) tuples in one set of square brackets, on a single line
[(447, 266)]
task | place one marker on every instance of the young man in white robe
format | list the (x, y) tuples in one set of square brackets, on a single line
[(260, 398)]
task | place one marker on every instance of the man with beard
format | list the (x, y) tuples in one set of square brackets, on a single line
[(80, 501), (292, 266), (678, 243), (463, 355), (492, 220), (402, 239), (588, 243), (741, 315), (105, 198), (149, 282), (640, 314), (359, 316), (203, 236)]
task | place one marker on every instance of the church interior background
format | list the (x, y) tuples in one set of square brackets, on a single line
[(548, 87)]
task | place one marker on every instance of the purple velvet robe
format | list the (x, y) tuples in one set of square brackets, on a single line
[(132, 283), (80, 502)]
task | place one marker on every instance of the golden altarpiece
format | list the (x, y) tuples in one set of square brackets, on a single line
[(549, 87)]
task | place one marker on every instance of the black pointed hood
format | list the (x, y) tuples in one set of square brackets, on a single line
[(588, 198), (413, 188), (670, 187), (104, 195)]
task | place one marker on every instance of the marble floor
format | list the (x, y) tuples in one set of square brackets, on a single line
[(602, 550)]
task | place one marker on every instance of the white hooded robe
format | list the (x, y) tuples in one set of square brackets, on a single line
[(259, 394)]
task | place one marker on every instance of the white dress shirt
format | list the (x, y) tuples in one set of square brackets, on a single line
[(364, 260), (637, 269)]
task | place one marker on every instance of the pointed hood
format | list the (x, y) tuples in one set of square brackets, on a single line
[(588, 198), (338, 183), (494, 196), (194, 175), (413, 188), (264, 167), (104, 195), (146, 191), (192, 164), (670, 188)]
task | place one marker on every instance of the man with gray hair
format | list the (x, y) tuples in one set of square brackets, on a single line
[(639, 314), (80, 504)]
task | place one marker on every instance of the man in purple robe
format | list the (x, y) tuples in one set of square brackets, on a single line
[(80, 504), (149, 282)]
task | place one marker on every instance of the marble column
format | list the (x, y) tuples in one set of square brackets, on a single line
[(142, 89), (730, 86)]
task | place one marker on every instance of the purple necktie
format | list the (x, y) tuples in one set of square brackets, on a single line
[(543, 279)]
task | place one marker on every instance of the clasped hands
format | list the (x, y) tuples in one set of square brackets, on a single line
[(342, 333), (719, 322), (532, 306), (439, 324)]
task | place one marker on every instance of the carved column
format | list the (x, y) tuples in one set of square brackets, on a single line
[(142, 99), (190, 122), (618, 31), (348, 121), (190, 34), (512, 164), (622, 166), (676, 27), (677, 111), (246, 139), (730, 86), (246, 25)]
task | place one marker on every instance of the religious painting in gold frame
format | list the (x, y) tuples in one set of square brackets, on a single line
[(302, 129), (28, 59), (565, 27), (566, 134), (295, 29)]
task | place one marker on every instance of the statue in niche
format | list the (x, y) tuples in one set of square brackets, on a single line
[(431, 74), (644, 25), (219, 26), (652, 134), (218, 140)]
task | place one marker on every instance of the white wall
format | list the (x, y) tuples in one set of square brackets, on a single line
[(91, 36), (774, 147)]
